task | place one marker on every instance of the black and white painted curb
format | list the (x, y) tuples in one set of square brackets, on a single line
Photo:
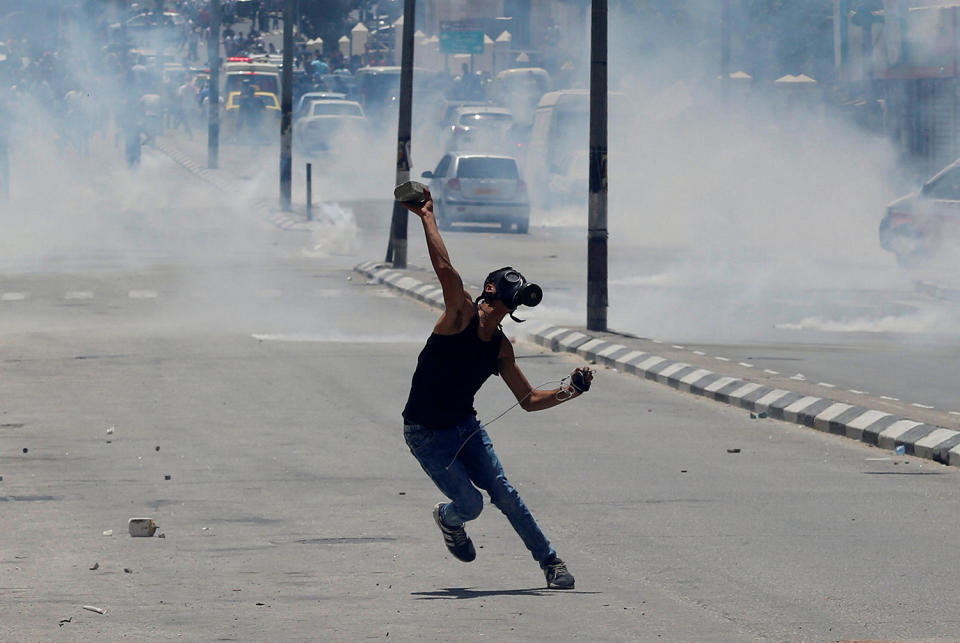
[(215, 178), (879, 428)]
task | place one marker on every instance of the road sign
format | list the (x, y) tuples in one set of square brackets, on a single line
[(461, 42)]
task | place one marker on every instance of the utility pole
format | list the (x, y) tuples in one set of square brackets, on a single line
[(725, 50), (286, 108), (131, 125), (597, 223), (397, 246), (213, 91)]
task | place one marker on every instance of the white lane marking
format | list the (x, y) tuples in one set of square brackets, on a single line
[(923, 406), (680, 348), (722, 359), (857, 392), (892, 399), (142, 294), (656, 341), (79, 294), (954, 412), (769, 372), (800, 377), (745, 365), (826, 385), (701, 353), (13, 296)]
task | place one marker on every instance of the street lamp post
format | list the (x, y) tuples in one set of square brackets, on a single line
[(213, 91), (597, 218), (397, 246), (286, 108)]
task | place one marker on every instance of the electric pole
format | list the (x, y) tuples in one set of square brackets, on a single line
[(597, 221), (397, 246), (286, 107), (213, 91)]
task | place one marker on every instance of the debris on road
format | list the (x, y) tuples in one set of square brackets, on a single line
[(733, 450), (142, 527), (98, 610), (95, 567), (108, 532), (127, 570), (65, 620), (111, 430)]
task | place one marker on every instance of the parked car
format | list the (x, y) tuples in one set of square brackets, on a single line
[(917, 224), (479, 188)]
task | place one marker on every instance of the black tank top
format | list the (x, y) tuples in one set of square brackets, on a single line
[(450, 371)]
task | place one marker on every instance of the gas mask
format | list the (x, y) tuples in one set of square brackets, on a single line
[(512, 289)]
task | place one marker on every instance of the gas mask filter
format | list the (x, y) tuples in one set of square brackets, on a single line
[(512, 289)]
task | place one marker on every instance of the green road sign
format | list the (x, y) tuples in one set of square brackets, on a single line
[(461, 42)]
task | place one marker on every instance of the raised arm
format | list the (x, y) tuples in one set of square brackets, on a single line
[(458, 305)]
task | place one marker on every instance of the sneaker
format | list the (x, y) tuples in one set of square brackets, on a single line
[(455, 538), (557, 575)]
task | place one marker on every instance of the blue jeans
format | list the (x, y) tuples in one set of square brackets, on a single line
[(477, 465)]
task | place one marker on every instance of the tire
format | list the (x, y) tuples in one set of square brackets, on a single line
[(909, 246)]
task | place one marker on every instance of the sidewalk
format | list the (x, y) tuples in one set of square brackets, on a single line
[(859, 418)]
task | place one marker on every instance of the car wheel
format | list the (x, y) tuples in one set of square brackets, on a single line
[(909, 246)]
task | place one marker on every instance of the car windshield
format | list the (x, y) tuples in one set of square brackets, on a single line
[(481, 118), (324, 108), (487, 168), (268, 101)]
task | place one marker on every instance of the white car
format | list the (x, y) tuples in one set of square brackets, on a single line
[(479, 188), (331, 125), (303, 105)]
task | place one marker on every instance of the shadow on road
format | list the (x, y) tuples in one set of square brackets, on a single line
[(466, 592)]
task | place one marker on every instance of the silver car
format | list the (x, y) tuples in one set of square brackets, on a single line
[(479, 188)]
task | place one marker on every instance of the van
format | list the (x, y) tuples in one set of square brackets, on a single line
[(558, 141), (238, 73)]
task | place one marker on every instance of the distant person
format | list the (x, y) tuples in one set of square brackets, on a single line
[(441, 428)]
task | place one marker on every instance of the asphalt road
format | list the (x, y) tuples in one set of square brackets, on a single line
[(265, 380), (167, 353)]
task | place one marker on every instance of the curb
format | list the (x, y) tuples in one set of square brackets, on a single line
[(282, 220), (879, 428)]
